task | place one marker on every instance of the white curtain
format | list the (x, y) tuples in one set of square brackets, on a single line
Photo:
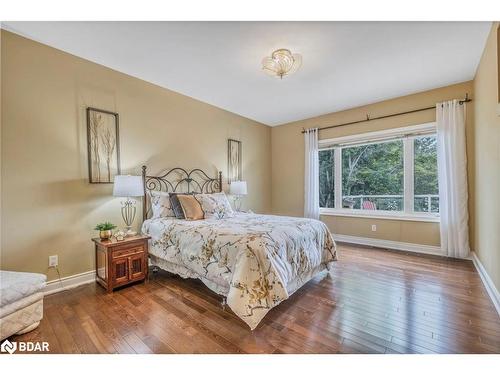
[(452, 171), (311, 177)]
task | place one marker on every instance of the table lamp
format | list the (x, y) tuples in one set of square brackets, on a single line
[(238, 189), (127, 187)]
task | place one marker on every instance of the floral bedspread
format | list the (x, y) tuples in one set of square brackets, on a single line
[(258, 259)]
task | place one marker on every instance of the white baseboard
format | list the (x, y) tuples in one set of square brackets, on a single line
[(488, 283), (69, 282), (386, 244)]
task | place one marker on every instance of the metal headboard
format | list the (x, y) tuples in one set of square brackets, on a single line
[(179, 180)]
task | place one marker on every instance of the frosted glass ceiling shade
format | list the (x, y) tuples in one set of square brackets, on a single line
[(238, 188), (281, 63), (128, 186)]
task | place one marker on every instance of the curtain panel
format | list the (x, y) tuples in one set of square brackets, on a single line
[(452, 176), (311, 176)]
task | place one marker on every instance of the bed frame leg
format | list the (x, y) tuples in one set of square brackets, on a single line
[(329, 269), (223, 303)]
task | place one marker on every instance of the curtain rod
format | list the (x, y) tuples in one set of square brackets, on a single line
[(466, 100)]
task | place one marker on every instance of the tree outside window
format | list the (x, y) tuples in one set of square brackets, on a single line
[(389, 175)]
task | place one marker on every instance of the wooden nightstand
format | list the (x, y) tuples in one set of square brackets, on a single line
[(120, 263)]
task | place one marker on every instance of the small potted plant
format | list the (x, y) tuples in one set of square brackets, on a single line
[(105, 230)]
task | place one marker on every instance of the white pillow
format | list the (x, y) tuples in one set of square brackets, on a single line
[(160, 204), (215, 205)]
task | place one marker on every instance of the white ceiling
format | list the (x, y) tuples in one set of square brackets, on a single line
[(345, 64)]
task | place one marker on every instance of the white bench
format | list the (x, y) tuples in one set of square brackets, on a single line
[(21, 302)]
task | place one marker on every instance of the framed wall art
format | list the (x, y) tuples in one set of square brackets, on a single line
[(233, 160), (103, 145)]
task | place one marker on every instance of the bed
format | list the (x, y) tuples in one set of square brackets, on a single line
[(254, 261)]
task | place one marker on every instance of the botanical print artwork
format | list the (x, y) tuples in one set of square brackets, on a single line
[(103, 145), (257, 261), (234, 160)]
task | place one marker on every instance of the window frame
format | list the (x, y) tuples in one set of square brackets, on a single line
[(407, 134)]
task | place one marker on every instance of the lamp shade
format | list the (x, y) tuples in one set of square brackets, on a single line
[(128, 186), (238, 188)]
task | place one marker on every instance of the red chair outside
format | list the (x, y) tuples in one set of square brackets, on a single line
[(368, 205)]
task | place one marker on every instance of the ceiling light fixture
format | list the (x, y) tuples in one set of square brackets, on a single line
[(281, 63)]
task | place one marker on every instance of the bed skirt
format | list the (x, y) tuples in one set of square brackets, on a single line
[(185, 273)]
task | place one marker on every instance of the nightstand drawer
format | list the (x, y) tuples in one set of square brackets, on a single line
[(121, 252)]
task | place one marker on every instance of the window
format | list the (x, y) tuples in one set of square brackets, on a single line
[(391, 173), (426, 191), (372, 176), (326, 173)]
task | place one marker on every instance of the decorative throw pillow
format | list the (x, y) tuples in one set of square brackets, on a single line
[(190, 207), (160, 204), (215, 205), (176, 205)]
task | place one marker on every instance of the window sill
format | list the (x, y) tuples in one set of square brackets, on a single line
[(380, 215)]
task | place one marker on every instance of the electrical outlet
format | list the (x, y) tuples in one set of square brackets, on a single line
[(53, 261), (374, 228)]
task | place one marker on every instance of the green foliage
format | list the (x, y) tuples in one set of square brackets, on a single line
[(378, 169), (426, 177), (326, 174), (425, 173), (105, 226), (374, 169)]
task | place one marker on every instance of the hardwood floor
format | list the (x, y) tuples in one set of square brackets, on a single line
[(375, 301)]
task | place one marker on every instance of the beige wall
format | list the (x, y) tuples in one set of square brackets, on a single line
[(288, 161), (48, 205), (487, 162)]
